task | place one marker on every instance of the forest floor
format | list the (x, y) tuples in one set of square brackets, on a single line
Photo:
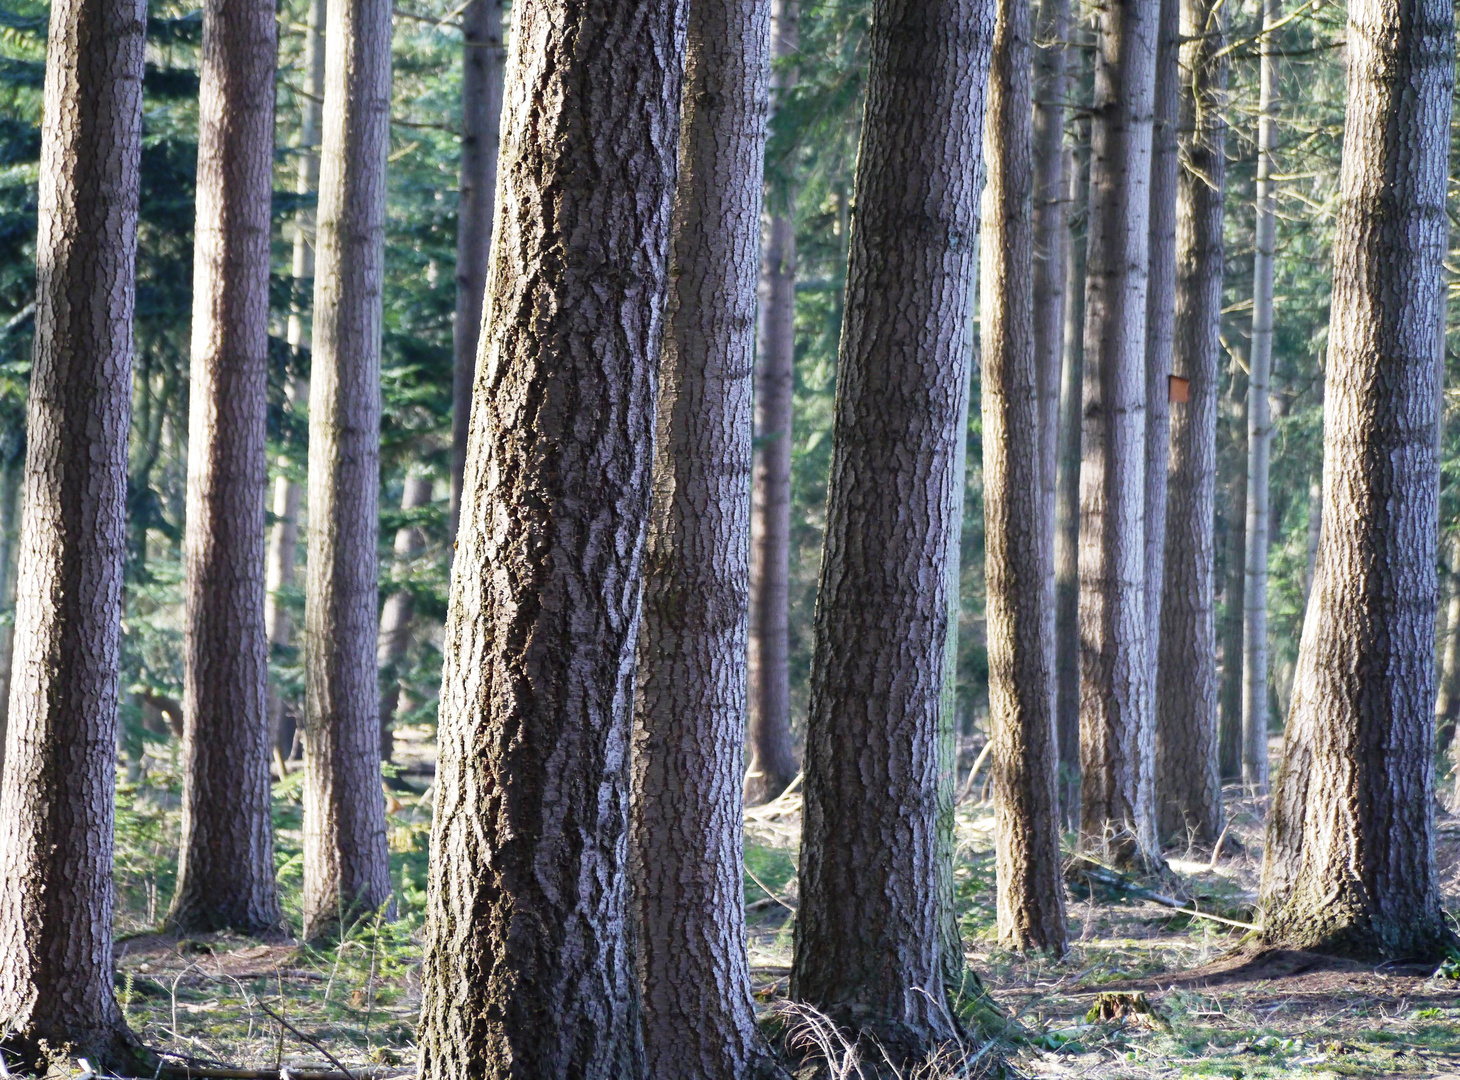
[(1145, 991)]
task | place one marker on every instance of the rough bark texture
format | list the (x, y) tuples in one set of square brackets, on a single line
[(1031, 909), (346, 864), (1116, 738), (1051, 30), (1067, 508), (481, 118), (689, 733), (1229, 706), (225, 872), (1259, 428), (56, 802), (1350, 860), (529, 965), (868, 947), (399, 611), (772, 754), (1188, 786)]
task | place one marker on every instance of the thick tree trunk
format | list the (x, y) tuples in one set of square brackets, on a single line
[(529, 961), (1031, 909), (56, 803), (1229, 705), (1189, 789), (869, 946), (1350, 856), (1259, 427), (346, 863), (772, 754), (225, 870), (1116, 737), (1052, 29), (1067, 509), (288, 492), (690, 713), (399, 611), (481, 118)]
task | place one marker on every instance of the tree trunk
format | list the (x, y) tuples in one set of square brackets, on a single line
[(772, 754), (689, 732), (1116, 737), (1067, 509), (1031, 909), (1229, 705), (529, 966), (481, 118), (399, 611), (1052, 29), (1189, 788), (1259, 427), (12, 476), (1350, 857), (288, 493), (1447, 700), (56, 803), (225, 870), (869, 946), (346, 863)]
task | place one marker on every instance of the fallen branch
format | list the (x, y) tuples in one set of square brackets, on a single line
[(968, 784), (1115, 879), (332, 1059), (284, 1072)]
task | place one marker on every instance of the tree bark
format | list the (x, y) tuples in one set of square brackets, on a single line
[(690, 713), (1031, 909), (399, 611), (1189, 789), (772, 752), (481, 119), (1116, 737), (868, 949), (1350, 856), (529, 961), (288, 493), (1052, 29), (1229, 705), (346, 862), (1447, 699), (225, 870), (56, 803), (1067, 510), (12, 476), (1259, 426)]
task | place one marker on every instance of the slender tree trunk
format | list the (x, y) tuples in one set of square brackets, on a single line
[(689, 732), (1447, 700), (288, 493), (399, 611), (1052, 28), (1116, 737), (481, 118), (1259, 427), (1031, 909), (869, 941), (772, 754), (12, 476), (346, 862), (1315, 529), (1229, 705), (1189, 788), (1350, 856), (56, 803), (225, 870), (1067, 510), (529, 960)]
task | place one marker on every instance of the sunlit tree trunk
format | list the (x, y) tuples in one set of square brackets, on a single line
[(1349, 862), (1051, 31), (1229, 703), (1188, 783), (1447, 699), (529, 967), (869, 943), (346, 863), (1031, 910), (399, 611), (56, 802), (225, 871)]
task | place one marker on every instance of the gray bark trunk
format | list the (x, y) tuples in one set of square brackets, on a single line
[(398, 613), (481, 119), (1116, 737), (869, 944), (1017, 560), (56, 803), (1259, 428), (225, 871), (1447, 699), (529, 966), (1052, 29), (1349, 864), (1229, 706), (11, 479), (346, 863), (1189, 790), (772, 764)]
